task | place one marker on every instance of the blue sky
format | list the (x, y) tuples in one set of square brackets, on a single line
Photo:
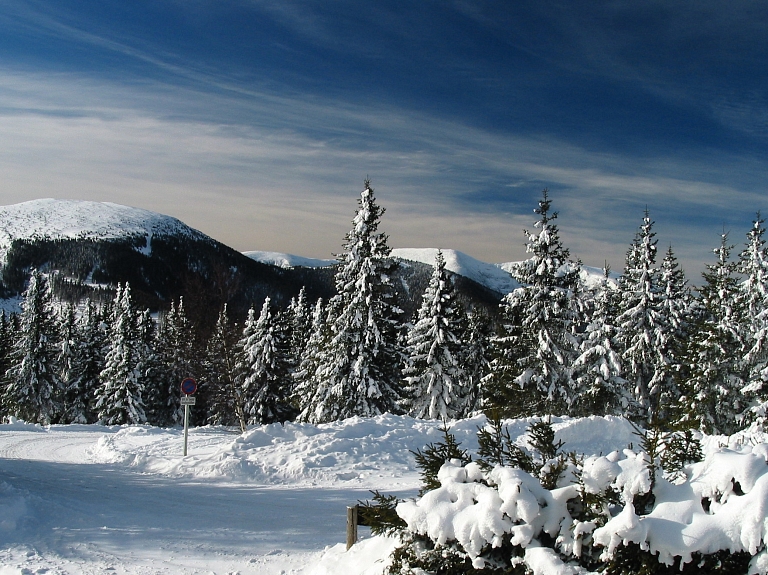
[(256, 122)]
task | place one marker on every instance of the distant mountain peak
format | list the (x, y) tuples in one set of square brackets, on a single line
[(53, 219)]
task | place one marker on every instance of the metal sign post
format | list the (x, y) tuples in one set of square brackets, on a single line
[(188, 387)]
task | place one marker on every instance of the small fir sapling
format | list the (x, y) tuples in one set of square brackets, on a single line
[(434, 456), (680, 449), (496, 447), (552, 461), (379, 514)]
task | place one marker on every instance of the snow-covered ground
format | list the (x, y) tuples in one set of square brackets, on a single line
[(85, 499)]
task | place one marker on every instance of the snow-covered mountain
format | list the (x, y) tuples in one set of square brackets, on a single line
[(288, 261), (496, 277), (51, 219), (492, 276)]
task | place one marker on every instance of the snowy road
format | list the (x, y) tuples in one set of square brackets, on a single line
[(81, 517)]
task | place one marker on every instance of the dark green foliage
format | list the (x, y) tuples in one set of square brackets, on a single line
[(434, 457), (380, 515), (420, 556), (631, 560), (496, 447), (680, 449)]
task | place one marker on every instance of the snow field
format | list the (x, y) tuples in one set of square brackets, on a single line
[(82, 499)]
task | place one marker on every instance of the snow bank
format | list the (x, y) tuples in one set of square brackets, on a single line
[(360, 452), (13, 424), (367, 557), (357, 452)]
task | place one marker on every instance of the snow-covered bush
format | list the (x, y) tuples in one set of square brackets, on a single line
[(617, 513)]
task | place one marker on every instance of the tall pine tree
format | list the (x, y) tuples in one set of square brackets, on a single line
[(226, 399), (713, 399), (359, 369), (119, 398), (547, 311), (34, 391), (642, 328), (753, 301), (437, 387), (264, 368), (598, 369)]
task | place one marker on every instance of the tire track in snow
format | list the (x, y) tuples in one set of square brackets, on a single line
[(42, 446)]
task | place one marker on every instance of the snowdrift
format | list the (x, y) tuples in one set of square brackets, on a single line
[(370, 453)]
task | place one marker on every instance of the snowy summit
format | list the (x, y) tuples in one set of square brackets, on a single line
[(51, 219)]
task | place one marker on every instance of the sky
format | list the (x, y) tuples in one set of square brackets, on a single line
[(256, 122)]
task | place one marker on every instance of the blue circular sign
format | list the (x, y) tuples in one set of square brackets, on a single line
[(189, 386)]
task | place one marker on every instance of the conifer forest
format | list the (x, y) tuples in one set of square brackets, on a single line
[(645, 344)]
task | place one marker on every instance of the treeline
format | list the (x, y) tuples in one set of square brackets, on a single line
[(646, 346)]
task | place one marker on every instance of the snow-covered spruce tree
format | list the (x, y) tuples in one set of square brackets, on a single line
[(643, 329), (175, 354), (359, 368), (119, 398), (475, 353), (264, 368), (34, 391), (678, 312), (712, 391), (597, 370), (299, 323), (7, 337), (226, 405), (90, 355), (305, 374), (75, 402), (753, 302), (149, 365), (547, 310), (436, 385)]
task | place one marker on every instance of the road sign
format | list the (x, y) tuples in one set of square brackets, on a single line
[(189, 386), (188, 400)]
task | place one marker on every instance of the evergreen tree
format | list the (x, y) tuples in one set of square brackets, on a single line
[(299, 321), (175, 360), (598, 367), (714, 402), (642, 328), (265, 368), (753, 301), (34, 390), (226, 404), (119, 398), (75, 401), (677, 314), (358, 372), (90, 355), (475, 358), (305, 375), (7, 337), (437, 386), (547, 310), (150, 368)]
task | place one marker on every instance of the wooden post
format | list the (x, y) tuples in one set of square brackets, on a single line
[(351, 526)]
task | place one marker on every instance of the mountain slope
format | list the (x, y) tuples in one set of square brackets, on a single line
[(56, 220), (90, 247), (490, 276)]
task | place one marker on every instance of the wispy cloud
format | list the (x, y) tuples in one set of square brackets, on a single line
[(286, 176)]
